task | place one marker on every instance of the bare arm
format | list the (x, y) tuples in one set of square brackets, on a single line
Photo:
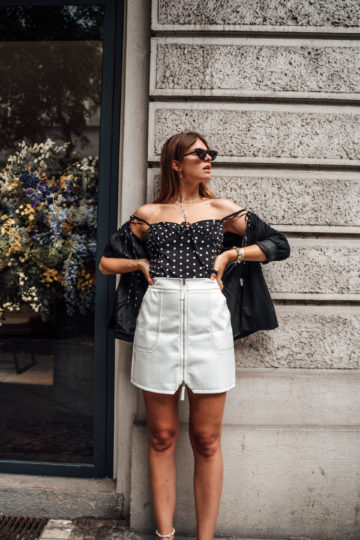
[(251, 253), (109, 265)]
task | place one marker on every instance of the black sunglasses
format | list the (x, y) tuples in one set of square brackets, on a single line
[(201, 153)]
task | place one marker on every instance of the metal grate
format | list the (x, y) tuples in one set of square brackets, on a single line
[(21, 528)]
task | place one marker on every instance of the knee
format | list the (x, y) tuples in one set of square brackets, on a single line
[(163, 439), (204, 442)]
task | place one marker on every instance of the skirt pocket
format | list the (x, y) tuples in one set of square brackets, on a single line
[(147, 331), (220, 329)]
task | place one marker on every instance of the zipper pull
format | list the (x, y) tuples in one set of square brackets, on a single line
[(241, 282), (182, 392)]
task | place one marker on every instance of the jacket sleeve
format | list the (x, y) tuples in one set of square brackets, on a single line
[(119, 245), (272, 242), (124, 244)]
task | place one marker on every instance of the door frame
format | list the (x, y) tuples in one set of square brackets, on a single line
[(104, 347)]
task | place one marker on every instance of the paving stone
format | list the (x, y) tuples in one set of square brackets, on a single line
[(57, 529)]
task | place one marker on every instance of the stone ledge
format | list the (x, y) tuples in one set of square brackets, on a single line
[(59, 497), (249, 67), (298, 14), (326, 266), (262, 133), (308, 337), (287, 198)]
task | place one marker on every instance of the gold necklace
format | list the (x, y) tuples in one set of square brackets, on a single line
[(185, 222)]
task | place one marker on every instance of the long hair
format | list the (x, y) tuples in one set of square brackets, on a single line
[(174, 148)]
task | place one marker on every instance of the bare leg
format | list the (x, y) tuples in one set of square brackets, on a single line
[(163, 428), (205, 427)]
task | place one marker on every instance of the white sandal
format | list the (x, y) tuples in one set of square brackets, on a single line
[(165, 535)]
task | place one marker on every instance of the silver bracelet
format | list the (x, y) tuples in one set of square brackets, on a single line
[(240, 254)]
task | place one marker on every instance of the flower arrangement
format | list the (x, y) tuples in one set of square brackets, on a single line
[(48, 229)]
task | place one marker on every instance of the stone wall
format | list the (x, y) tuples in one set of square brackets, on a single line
[(274, 86)]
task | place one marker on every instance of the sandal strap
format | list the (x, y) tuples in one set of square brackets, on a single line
[(165, 535)]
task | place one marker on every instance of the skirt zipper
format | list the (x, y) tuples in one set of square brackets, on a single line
[(183, 343)]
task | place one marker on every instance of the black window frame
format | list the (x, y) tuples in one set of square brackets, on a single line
[(104, 350)]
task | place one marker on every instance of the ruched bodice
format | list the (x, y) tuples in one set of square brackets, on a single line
[(181, 250)]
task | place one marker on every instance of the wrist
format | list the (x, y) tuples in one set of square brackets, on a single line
[(231, 255), (238, 254), (136, 264)]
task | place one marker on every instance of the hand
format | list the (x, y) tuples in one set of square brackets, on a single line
[(220, 264), (144, 265)]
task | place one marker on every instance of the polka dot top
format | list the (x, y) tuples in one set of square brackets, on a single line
[(182, 249)]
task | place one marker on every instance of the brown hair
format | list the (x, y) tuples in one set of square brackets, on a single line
[(174, 148)]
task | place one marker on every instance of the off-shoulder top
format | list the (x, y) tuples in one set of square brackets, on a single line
[(181, 249)]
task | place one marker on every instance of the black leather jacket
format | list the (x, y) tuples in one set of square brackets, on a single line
[(245, 289)]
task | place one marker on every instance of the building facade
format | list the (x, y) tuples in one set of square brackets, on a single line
[(274, 87)]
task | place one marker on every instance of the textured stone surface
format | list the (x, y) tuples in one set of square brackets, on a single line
[(291, 461), (277, 481), (241, 131), (210, 65), (57, 529), (59, 498), (93, 529), (111, 529), (320, 337), (287, 396), (308, 337), (260, 12), (316, 266), (286, 198)]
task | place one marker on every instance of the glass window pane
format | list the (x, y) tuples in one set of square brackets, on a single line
[(50, 95)]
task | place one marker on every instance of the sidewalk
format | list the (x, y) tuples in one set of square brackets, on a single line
[(96, 529), (86, 529)]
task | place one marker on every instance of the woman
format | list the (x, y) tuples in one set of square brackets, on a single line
[(183, 331)]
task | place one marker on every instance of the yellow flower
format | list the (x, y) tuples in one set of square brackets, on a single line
[(85, 279), (51, 274), (14, 248)]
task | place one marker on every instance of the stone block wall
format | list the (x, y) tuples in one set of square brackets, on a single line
[(274, 85)]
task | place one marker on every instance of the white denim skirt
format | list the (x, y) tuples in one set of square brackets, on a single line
[(183, 336)]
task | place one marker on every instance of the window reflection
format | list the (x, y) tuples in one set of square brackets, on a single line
[(50, 69)]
